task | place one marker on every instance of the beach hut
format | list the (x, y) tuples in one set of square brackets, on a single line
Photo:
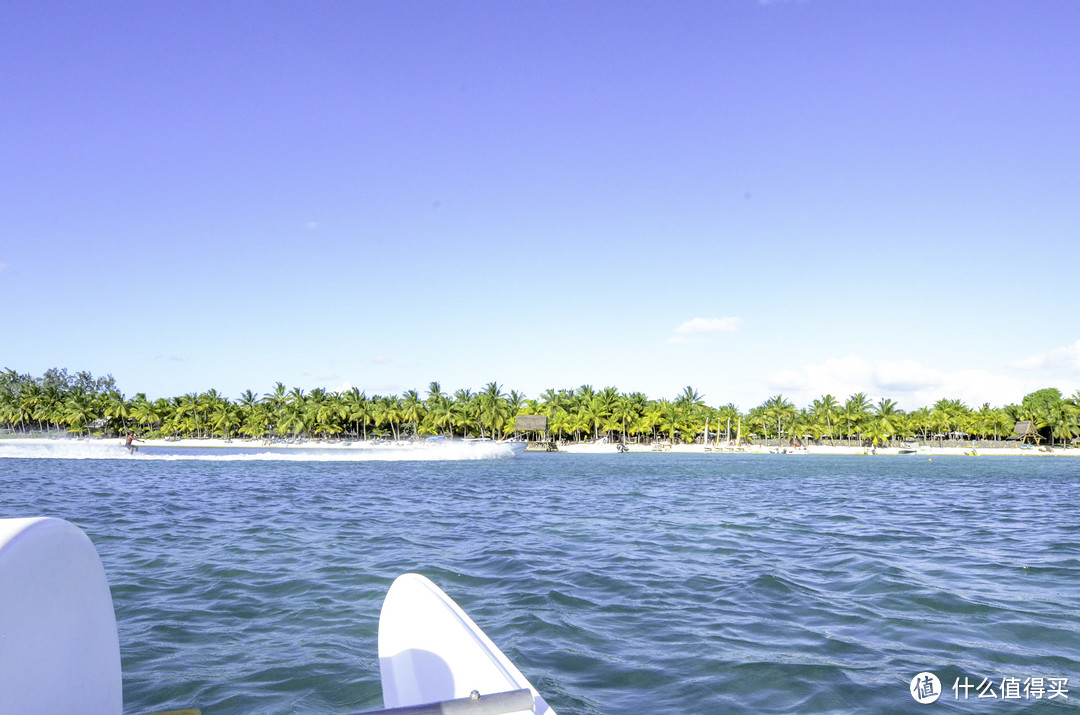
[(1025, 430), (531, 423)]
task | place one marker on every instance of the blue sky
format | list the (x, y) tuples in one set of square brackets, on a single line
[(751, 198)]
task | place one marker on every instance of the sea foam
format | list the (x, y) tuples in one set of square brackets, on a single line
[(108, 449)]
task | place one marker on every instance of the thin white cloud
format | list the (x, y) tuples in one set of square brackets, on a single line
[(311, 226), (380, 360), (906, 376), (698, 326), (1066, 358), (698, 330), (3, 267), (909, 383)]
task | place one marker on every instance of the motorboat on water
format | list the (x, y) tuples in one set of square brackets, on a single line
[(426, 448), (60, 651), (515, 446)]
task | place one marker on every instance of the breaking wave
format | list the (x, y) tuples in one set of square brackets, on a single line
[(114, 449)]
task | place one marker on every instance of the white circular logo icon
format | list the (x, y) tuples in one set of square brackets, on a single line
[(925, 688)]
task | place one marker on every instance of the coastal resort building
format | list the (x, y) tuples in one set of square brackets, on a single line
[(534, 424), (535, 429), (1026, 430)]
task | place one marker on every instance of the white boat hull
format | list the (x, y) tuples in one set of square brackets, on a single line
[(59, 649), (430, 650)]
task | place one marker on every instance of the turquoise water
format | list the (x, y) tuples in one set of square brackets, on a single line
[(616, 583)]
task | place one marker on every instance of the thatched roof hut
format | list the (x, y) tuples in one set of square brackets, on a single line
[(531, 423), (1026, 430)]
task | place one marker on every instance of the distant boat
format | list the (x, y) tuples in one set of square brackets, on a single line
[(515, 447), (427, 448)]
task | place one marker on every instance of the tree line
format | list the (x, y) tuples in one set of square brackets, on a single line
[(81, 404)]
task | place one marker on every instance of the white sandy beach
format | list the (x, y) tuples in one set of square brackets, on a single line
[(927, 450), (924, 450), (240, 449)]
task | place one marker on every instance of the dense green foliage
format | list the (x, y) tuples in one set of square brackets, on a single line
[(81, 404)]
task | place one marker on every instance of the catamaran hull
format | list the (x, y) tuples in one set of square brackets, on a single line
[(430, 650)]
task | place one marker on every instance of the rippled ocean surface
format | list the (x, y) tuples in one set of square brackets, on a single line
[(616, 583)]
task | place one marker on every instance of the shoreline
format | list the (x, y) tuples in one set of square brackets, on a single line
[(576, 448), (218, 443)]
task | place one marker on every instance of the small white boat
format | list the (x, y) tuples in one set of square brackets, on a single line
[(511, 447), (430, 651), (60, 651)]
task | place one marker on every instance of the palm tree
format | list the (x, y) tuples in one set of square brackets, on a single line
[(593, 410), (293, 420), (80, 411), (208, 404), (727, 415), (185, 415), (388, 412), (644, 423), (875, 432), (223, 417), (494, 411), (855, 413), (690, 398), (1062, 423), (560, 422), (258, 421), (826, 410), (144, 412), (7, 408), (116, 407), (888, 419), (921, 421), (671, 418), (50, 405), (777, 409), (466, 410), (549, 400), (577, 424), (25, 403), (30, 403), (623, 412), (276, 399), (246, 405), (323, 412), (358, 410), (692, 405), (802, 424), (412, 410), (949, 415), (440, 414), (435, 394)]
